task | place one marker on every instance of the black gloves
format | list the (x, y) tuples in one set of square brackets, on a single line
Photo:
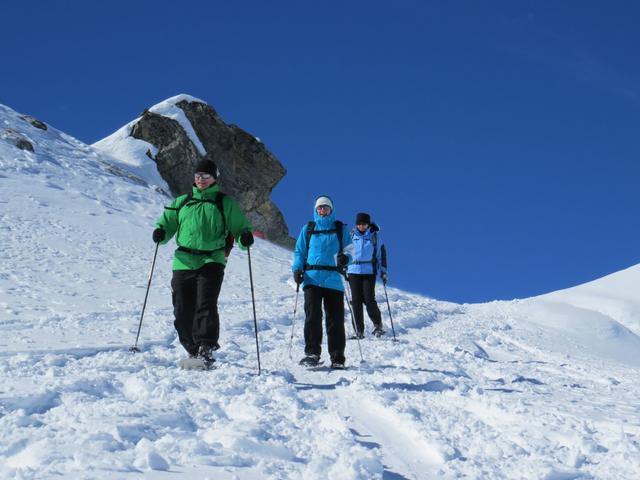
[(384, 277), (298, 277), (158, 235), (342, 260), (246, 238)]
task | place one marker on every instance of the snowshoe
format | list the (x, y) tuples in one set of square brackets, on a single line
[(310, 361)]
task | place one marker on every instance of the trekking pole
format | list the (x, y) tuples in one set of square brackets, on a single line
[(293, 321), (144, 305), (386, 296), (352, 317), (353, 321), (253, 300)]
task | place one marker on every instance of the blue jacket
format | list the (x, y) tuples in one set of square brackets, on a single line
[(364, 251), (322, 250)]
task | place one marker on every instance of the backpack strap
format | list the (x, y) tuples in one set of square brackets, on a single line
[(229, 239), (311, 230), (339, 229), (219, 203), (374, 240), (307, 235)]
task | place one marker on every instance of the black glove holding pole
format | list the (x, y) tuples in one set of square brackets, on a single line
[(158, 235), (246, 238)]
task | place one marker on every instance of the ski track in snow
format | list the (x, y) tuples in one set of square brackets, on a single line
[(497, 390)]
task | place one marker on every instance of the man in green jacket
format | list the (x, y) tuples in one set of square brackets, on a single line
[(201, 221)]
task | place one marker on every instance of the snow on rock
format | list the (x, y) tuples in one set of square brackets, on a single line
[(169, 109), (538, 388), (137, 155)]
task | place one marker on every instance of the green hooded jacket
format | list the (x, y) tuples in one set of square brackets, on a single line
[(199, 226)]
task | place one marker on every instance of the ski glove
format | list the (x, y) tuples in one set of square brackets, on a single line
[(384, 277), (342, 260), (246, 238), (298, 277), (158, 235)]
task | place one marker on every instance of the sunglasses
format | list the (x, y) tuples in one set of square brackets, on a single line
[(203, 176), (323, 207)]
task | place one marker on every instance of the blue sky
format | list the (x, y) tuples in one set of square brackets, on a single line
[(497, 143)]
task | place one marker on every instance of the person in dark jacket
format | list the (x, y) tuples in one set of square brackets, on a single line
[(201, 230), (318, 264), (362, 273)]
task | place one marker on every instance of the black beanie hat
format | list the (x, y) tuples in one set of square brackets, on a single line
[(207, 166), (363, 218)]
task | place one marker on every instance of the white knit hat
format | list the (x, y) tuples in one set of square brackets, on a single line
[(324, 201)]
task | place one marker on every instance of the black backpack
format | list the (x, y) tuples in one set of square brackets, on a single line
[(311, 230), (219, 203)]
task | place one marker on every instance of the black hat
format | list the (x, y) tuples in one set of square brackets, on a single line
[(363, 218), (207, 166)]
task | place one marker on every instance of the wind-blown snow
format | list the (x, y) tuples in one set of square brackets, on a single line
[(538, 388)]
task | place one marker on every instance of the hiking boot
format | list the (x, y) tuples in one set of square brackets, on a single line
[(378, 331), (312, 360), (337, 365), (205, 352), (359, 336)]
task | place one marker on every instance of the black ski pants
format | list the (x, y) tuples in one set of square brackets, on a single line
[(195, 306), (333, 300), (363, 290)]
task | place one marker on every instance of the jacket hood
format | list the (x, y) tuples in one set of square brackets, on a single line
[(324, 222)]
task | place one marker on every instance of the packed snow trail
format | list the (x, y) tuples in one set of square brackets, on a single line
[(538, 388)]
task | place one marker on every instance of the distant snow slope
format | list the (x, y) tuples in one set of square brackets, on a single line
[(543, 388)]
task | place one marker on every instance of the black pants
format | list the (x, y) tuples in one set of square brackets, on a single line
[(195, 305), (333, 301), (363, 290)]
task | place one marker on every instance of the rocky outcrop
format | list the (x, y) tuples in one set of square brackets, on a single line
[(34, 122), (16, 139), (248, 171)]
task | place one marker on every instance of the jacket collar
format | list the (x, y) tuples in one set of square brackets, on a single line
[(208, 193)]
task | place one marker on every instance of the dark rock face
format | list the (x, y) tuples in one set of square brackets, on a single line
[(16, 139), (248, 171), (34, 121)]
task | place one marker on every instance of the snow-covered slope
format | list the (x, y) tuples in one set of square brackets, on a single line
[(537, 388)]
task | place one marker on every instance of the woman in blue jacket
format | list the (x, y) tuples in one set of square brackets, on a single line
[(362, 273), (319, 261)]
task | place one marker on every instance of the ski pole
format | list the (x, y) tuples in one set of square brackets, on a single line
[(144, 305), (386, 296), (253, 300), (352, 317), (353, 321), (293, 321)]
